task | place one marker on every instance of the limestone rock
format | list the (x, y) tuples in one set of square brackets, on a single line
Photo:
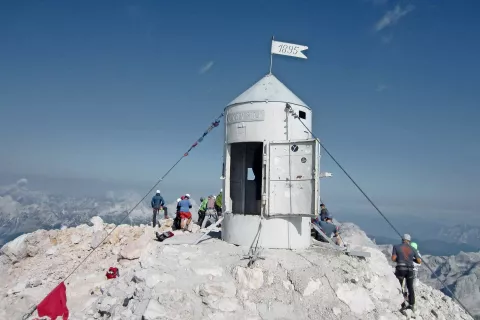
[(214, 271), (250, 278), (97, 223), (194, 228), (387, 316), (312, 286), (16, 250), (154, 311), (75, 238), (134, 249), (97, 238), (208, 281), (51, 251), (220, 289), (357, 299)]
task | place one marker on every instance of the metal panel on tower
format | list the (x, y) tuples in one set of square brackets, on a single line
[(293, 182)]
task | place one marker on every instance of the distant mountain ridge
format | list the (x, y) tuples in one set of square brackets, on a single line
[(463, 233), (461, 273), (23, 210), (431, 247)]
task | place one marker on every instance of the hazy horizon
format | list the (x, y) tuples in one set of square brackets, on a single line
[(105, 96)]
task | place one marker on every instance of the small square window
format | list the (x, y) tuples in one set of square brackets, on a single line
[(302, 114)]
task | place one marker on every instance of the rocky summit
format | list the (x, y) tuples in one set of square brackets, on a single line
[(211, 280)]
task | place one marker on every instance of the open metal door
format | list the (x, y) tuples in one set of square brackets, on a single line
[(292, 178)]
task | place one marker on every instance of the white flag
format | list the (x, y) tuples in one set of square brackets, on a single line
[(288, 49)]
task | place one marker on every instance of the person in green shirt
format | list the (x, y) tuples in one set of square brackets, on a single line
[(202, 210), (218, 203)]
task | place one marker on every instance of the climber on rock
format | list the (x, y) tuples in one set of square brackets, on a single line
[(403, 254), (157, 204), (185, 215)]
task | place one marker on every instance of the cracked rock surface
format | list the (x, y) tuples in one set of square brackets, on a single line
[(209, 281)]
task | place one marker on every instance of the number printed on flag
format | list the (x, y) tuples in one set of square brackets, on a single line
[(290, 49)]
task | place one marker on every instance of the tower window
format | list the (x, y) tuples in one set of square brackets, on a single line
[(302, 114)]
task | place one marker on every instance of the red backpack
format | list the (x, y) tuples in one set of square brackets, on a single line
[(112, 273)]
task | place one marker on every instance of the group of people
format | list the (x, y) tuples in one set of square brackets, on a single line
[(406, 256), (209, 211), (183, 215)]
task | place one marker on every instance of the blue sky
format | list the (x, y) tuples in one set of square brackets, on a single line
[(118, 90)]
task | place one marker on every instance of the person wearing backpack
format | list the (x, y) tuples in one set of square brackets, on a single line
[(404, 255), (185, 215), (177, 220)]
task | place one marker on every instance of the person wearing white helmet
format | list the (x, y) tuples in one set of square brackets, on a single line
[(176, 220), (157, 204), (404, 255), (185, 215)]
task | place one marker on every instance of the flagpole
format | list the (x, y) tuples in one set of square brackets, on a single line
[(271, 55)]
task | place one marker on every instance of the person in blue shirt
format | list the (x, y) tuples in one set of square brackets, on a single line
[(157, 204), (185, 215), (330, 229)]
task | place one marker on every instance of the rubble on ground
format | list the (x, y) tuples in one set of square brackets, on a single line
[(210, 280)]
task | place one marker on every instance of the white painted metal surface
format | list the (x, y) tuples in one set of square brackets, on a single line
[(268, 89), (258, 124), (292, 179), (277, 233)]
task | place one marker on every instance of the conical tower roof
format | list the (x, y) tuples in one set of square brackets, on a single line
[(269, 88)]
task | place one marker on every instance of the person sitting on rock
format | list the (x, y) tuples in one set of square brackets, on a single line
[(330, 230), (403, 254), (323, 212), (157, 204), (185, 215)]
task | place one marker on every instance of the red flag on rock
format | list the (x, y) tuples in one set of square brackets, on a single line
[(55, 304)]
